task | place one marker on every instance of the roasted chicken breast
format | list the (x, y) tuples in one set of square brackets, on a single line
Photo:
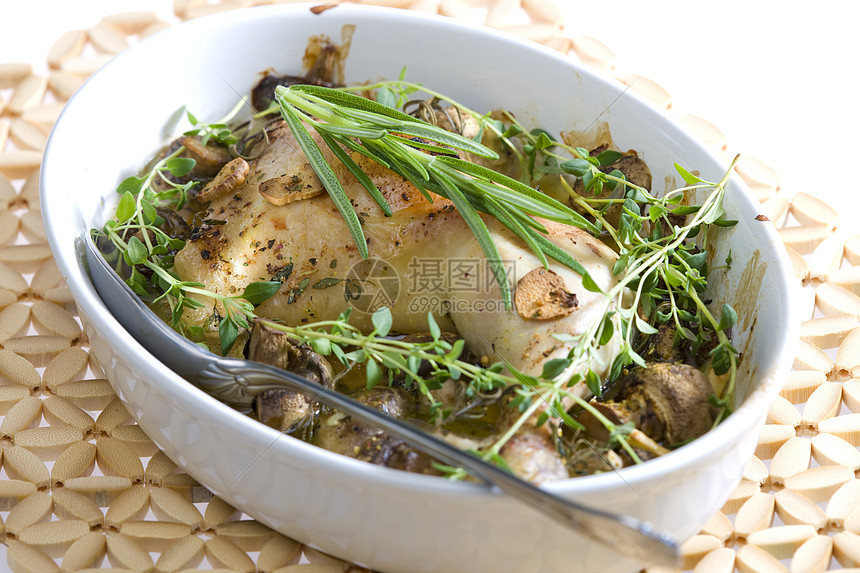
[(423, 258)]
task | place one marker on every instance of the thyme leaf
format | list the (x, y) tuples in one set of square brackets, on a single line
[(146, 252)]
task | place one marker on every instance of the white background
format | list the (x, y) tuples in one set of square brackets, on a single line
[(778, 78)]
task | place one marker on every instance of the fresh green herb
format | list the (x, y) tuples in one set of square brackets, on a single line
[(147, 251), (426, 156), (663, 266), (536, 152), (219, 131), (348, 345)]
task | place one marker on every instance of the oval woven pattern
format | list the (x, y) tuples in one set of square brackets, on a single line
[(82, 488)]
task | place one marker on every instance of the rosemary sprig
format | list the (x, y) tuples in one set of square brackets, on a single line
[(427, 156), (537, 153)]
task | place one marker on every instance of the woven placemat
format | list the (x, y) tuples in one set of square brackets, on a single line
[(82, 486)]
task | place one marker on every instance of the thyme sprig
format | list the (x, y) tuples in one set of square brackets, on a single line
[(426, 155), (219, 131), (665, 265), (147, 251), (386, 358)]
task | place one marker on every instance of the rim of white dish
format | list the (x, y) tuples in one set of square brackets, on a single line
[(691, 455)]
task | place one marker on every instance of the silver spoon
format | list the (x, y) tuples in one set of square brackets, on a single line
[(236, 382)]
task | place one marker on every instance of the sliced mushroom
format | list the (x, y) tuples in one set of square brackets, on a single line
[(272, 346), (283, 408), (667, 402), (280, 409), (263, 94), (541, 295), (210, 158), (340, 433), (633, 168), (678, 395), (231, 177), (282, 190)]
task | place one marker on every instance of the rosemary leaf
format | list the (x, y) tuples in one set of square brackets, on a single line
[(396, 148), (497, 211), (409, 173), (369, 111), (504, 185), (523, 204), (528, 221), (349, 100), (360, 175), (479, 229), (445, 137), (378, 119), (327, 176), (417, 143), (350, 131), (358, 148)]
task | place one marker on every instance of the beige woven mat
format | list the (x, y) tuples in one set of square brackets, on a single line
[(82, 487)]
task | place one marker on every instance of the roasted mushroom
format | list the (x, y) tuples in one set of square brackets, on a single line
[(533, 457), (340, 433), (633, 168), (282, 190), (541, 295), (282, 408), (209, 158), (231, 177), (675, 396), (263, 93), (661, 346), (668, 402)]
